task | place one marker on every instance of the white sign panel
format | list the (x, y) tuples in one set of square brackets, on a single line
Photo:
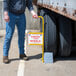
[(35, 39)]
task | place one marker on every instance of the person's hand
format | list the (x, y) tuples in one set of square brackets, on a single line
[(34, 15), (6, 17)]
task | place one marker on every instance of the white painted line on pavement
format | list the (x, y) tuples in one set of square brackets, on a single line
[(22, 63), (21, 68), (25, 47)]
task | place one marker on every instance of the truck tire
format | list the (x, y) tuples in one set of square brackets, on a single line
[(41, 14), (50, 40), (65, 35)]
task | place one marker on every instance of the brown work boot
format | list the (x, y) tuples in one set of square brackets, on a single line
[(5, 59), (23, 56)]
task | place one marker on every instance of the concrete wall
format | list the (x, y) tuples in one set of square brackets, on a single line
[(2, 23), (0, 15), (31, 22)]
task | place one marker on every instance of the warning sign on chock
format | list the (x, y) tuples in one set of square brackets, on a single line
[(35, 38)]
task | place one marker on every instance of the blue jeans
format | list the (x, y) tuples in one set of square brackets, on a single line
[(20, 21)]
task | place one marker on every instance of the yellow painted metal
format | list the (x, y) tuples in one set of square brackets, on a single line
[(35, 32), (43, 37)]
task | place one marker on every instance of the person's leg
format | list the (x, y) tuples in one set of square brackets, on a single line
[(21, 26), (10, 26)]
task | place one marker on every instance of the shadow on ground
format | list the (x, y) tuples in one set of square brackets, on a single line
[(15, 59), (38, 56), (72, 57)]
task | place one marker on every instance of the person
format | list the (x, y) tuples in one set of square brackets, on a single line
[(14, 14)]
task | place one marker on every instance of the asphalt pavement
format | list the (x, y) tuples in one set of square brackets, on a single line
[(34, 66)]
